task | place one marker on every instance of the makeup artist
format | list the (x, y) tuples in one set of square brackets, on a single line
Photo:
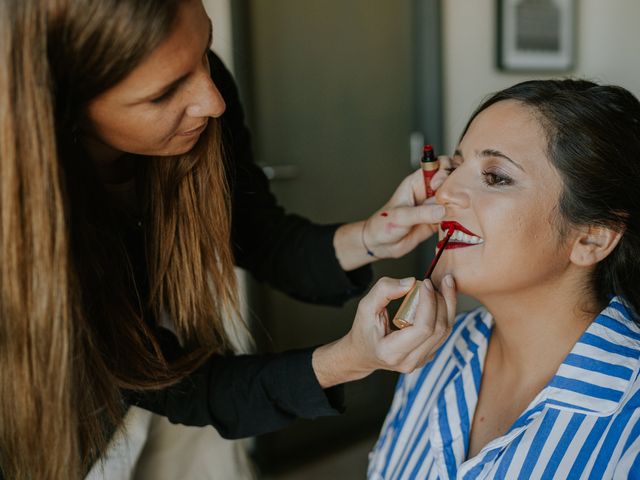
[(121, 223)]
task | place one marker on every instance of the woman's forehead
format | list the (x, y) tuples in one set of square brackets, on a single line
[(509, 127), (174, 58)]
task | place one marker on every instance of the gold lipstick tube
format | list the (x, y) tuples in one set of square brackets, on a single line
[(430, 166), (406, 313)]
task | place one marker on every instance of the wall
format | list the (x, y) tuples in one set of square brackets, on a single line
[(607, 40), (220, 13), (607, 51)]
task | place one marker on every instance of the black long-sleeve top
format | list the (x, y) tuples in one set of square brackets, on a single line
[(252, 394)]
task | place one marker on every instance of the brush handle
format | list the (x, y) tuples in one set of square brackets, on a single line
[(407, 311), (434, 262)]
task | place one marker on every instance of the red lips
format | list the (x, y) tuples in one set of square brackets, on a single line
[(446, 225), (454, 244)]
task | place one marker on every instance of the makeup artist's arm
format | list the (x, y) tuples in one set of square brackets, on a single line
[(370, 345), (246, 395), (396, 228)]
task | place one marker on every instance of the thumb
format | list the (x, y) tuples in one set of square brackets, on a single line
[(448, 290), (384, 291)]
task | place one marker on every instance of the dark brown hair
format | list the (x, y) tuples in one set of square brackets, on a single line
[(72, 325)]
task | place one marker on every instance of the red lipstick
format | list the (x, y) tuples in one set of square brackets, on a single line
[(476, 239), (456, 226), (430, 166)]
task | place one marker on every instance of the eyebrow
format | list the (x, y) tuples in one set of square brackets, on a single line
[(490, 152), (160, 92)]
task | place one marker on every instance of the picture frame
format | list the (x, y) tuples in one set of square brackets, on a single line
[(536, 35)]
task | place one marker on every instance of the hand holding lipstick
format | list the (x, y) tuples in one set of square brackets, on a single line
[(404, 316), (406, 220), (430, 166), (371, 345)]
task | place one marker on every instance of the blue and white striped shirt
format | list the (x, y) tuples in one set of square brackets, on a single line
[(584, 424)]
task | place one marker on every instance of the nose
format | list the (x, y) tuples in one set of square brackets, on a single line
[(453, 192), (207, 100)]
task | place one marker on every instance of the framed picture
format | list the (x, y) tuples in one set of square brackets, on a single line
[(536, 35)]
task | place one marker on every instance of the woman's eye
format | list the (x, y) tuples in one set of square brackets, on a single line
[(165, 96), (494, 179)]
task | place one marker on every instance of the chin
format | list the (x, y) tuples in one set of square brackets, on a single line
[(464, 284), (182, 151), (174, 152)]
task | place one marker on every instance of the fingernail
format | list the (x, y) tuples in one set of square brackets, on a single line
[(448, 280), (427, 284), (439, 212), (405, 282)]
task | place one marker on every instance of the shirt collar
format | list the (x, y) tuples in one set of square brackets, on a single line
[(600, 369), (594, 377)]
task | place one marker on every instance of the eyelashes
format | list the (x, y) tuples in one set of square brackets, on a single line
[(495, 179), (490, 177), (165, 96)]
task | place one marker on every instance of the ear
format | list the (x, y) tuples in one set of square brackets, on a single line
[(592, 244)]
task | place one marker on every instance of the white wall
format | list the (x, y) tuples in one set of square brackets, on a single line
[(607, 46), (220, 13)]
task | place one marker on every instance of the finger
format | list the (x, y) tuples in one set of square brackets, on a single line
[(384, 291), (417, 359), (386, 322), (410, 191), (418, 340), (416, 235), (448, 291), (442, 327), (442, 173), (441, 330), (414, 354), (418, 191), (427, 310), (421, 214)]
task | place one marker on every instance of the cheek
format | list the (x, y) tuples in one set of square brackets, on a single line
[(521, 247), (139, 132), (527, 235)]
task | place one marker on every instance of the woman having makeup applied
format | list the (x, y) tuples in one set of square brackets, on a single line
[(121, 224), (542, 381)]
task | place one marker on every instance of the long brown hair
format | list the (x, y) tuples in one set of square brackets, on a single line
[(72, 324)]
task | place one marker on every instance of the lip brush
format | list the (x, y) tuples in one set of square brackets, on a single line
[(439, 254), (405, 314)]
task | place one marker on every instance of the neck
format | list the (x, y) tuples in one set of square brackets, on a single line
[(536, 329)]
